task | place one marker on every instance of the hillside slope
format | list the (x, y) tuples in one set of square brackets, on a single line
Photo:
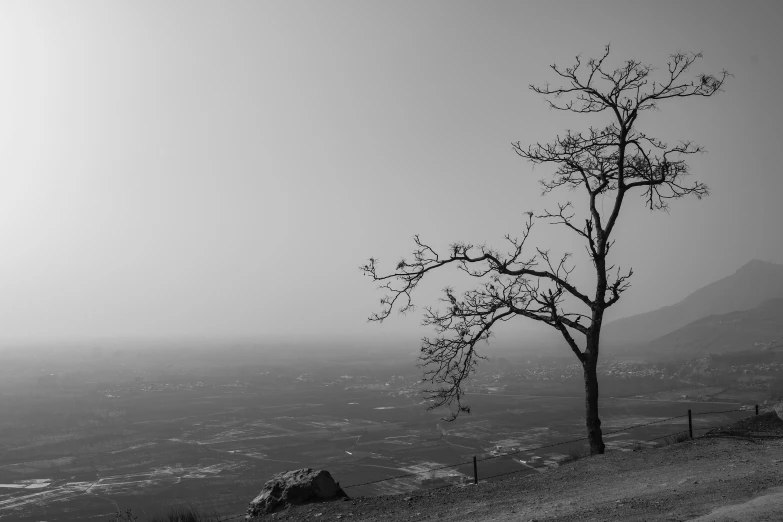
[(707, 479), (732, 332), (751, 285)]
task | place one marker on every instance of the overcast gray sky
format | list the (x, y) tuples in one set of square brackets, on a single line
[(222, 168)]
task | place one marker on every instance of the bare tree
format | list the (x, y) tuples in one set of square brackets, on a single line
[(609, 162)]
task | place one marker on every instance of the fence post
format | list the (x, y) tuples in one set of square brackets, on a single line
[(757, 409), (475, 471), (690, 424)]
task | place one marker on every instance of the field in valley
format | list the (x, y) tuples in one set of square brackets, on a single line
[(213, 447)]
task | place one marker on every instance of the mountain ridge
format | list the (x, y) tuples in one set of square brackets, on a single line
[(720, 333), (749, 286)]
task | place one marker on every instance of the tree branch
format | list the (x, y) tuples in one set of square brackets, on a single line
[(612, 160)]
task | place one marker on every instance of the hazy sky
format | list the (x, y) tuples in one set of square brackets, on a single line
[(222, 168)]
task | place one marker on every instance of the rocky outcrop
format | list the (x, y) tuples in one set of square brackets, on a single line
[(292, 488)]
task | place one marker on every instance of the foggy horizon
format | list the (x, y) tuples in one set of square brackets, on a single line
[(194, 170), (534, 338)]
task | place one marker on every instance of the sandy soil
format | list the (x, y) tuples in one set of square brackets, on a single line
[(734, 473)]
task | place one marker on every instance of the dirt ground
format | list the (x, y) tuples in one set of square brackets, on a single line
[(733, 473)]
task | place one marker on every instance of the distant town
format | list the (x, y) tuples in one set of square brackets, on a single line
[(704, 378)]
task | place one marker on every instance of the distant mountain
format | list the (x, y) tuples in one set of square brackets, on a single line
[(757, 329), (753, 284)]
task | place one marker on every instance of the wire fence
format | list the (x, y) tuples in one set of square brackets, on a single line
[(529, 466)]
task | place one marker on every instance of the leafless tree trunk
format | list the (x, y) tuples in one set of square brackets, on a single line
[(611, 161)]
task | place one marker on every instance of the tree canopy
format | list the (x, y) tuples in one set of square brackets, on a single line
[(530, 282)]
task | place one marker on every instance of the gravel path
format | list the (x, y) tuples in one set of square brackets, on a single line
[(733, 473)]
